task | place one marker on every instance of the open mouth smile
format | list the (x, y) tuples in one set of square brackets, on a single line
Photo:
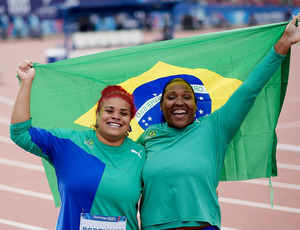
[(114, 125), (179, 113)]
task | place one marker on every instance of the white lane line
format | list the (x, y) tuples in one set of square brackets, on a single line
[(293, 98), (288, 125), (25, 192), (254, 181), (293, 148), (287, 147), (4, 120), (6, 140), (221, 199), (21, 164), (224, 228), (288, 166), (280, 146), (259, 205), (274, 184), (30, 227), (20, 225), (7, 100)]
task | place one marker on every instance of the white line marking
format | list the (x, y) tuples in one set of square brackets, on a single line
[(274, 184), (4, 120), (288, 125), (259, 205), (30, 227), (6, 100), (293, 98), (25, 192), (224, 228), (288, 166), (294, 148), (6, 140), (20, 225), (21, 165)]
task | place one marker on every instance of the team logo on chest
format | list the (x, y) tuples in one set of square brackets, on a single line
[(152, 133), (89, 142)]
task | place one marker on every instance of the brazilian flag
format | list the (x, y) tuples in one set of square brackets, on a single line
[(65, 93)]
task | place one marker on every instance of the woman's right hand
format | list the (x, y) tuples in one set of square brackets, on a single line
[(21, 109), (25, 71)]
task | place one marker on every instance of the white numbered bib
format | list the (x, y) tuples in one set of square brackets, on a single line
[(95, 222)]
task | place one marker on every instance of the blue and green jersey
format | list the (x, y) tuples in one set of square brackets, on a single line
[(91, 176)]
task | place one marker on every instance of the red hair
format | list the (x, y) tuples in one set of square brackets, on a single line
[(117, 91)]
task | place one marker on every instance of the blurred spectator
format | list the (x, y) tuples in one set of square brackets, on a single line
[(120, 19), (187, 22), (96, 22), (166, 30), (34, 26), (84, 24), (109, 23), (200, 16), (219, 20), (252, 20), (288, 15), (18, 26), (4, 23), (148, 22)]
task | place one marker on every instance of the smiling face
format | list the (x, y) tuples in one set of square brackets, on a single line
[(178, 104), (113, 121)]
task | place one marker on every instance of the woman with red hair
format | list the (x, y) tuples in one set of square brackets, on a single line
[(98, 171)]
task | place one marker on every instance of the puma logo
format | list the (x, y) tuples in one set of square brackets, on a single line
[(138, 153)]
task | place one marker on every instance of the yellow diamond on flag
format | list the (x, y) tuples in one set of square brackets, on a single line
[(217, 87)]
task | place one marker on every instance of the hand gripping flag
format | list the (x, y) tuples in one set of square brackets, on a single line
[(65, 93)]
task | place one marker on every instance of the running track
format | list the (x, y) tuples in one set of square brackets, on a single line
[(26, 201)]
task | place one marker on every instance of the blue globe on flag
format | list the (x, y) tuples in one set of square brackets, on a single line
[(147, 99)]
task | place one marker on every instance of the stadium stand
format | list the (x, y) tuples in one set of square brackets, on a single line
[(94, 39)]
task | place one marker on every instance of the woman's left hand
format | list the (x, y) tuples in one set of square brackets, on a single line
[(292, 30), (290, 36)]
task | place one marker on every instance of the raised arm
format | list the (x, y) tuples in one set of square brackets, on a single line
[(232, 114), (290, 36), (21, 109)]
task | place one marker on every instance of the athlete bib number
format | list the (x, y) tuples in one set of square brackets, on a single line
[(95, 222)]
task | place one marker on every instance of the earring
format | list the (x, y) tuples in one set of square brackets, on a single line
[(128, 131)]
